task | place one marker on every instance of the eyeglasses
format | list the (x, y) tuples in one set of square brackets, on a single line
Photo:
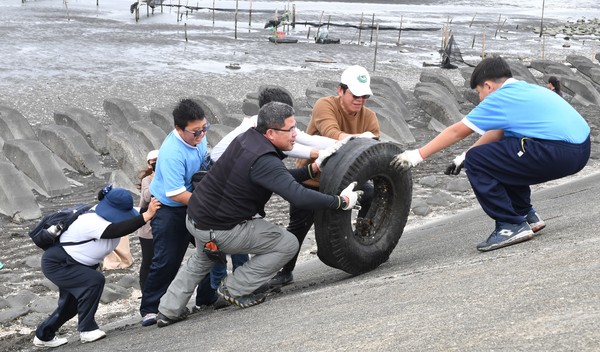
[(198, 133), (291, 129), (356, 97)]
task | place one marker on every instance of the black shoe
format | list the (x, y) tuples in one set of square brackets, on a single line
[(221, 303), (162, 320), (264, 288), (244, 301), (282, 278)]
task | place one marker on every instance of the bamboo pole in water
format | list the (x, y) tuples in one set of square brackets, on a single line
[(483, 45), (67, 8), (473, 19), (213, 14), (236, 17), (360, 27), (319, 27), (250, 16), (542, 21), (376, 46), (399, 32), (372, 27), (498, 25), (543, 47), (185, 31)]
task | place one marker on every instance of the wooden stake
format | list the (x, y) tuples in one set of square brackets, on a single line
[(250, 16), (294, 15), (185, 31), (372, 27), (473, 19), (399, 32), (498, 25), (543, 46), (360, 27), (178, 9), (376, 46), (213, 15), (319, 27), (542, 21), (236, 16), (483, 45)]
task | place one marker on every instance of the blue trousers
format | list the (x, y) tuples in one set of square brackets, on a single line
[(501, 172), (80, 288), (171, 239)]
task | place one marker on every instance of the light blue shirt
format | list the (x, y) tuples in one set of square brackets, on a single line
[(527, 110), (176, 164)]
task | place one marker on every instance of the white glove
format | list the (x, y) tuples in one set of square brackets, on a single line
[(351, 196), (457, 165), (367, 134), (329, 151), (407, 159)]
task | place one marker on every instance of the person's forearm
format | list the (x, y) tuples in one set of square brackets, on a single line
[(300, 151), (446, 138), (489, 137)]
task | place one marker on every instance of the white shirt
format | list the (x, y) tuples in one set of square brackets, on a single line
[(304, 141), (88, 226)]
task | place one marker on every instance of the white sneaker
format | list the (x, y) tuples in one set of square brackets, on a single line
[(91, 336), (55, 342)]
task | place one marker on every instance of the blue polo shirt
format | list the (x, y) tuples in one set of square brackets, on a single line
[(177, 162), (527, 110)]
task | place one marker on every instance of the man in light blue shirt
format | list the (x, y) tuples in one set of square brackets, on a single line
[(182, 153), (529, 135)]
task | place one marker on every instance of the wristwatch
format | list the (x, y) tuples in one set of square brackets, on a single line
[(344, 203)]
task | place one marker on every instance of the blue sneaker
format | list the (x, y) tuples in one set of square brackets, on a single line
[(506, 234), (149, 319), (534, 220)]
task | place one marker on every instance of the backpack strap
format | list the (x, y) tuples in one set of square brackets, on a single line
[(62, 244)]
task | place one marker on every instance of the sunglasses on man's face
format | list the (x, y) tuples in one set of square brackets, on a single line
[(198, 133)]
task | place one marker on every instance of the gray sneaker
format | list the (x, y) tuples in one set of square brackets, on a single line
[(243, 301), (506, 234), (535, 221)]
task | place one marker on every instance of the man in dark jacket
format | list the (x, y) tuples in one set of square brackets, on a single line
[(228, 208)]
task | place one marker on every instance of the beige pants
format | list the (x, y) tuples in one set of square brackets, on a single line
[(120, 258)]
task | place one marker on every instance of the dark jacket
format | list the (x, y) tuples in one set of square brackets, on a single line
[(240, 184)]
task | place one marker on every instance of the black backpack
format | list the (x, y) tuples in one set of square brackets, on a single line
[(47, 232)]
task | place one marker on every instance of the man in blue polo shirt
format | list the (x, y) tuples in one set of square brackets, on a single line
[(182, 153), (530, 135)]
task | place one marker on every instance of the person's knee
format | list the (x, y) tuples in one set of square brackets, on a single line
[(289, 244)]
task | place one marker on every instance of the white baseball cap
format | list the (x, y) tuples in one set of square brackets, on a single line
[(153, 154), (358, 80)]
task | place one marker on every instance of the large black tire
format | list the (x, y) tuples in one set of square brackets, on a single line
[(361, 249)]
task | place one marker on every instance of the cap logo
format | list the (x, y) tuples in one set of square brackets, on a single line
[(362, 78)]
